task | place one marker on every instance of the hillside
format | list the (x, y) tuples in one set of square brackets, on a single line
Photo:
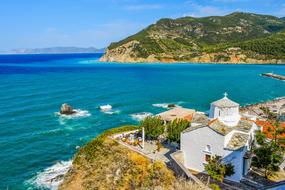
[(234, 38), (105, 164)]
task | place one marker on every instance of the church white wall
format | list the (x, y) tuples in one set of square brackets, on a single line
[(216, 112), (194, 143), (236, 159)]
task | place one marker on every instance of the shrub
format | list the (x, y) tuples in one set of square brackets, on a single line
[(217, 169), (153, 127), (215, 186), (159, 146), (175, 128), (97, 143)]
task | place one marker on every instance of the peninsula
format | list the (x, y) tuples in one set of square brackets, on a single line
[(235, 38)]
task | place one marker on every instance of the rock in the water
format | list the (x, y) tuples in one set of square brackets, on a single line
[(171, 105), (66, 109)]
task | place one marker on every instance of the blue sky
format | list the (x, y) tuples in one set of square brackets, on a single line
[(84, 23)]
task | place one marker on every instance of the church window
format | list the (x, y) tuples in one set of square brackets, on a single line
[(207, 157)]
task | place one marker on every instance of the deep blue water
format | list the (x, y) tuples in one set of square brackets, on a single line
[(32, 88)]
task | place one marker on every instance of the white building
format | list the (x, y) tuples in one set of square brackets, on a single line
[(225, 133)]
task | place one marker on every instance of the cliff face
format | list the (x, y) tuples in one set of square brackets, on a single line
[(235, 38)]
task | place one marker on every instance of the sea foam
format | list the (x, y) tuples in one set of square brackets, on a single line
[(105, 108), (166, 105), (108, 109), (51, 177), (112, 112), (78, 113), (141, 116)]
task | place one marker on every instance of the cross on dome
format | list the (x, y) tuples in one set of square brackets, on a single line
[(226, 94)]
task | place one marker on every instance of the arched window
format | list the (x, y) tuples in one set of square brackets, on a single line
[(208, 148)]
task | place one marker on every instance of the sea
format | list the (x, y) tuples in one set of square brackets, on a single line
[(37, 144)]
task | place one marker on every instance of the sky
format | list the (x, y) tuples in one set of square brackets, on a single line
[(97, 23)]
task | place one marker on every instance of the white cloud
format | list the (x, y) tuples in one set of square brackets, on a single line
[(97, 36), (143, 7), (198, 10)]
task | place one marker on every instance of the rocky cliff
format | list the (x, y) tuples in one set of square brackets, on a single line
[(234, 38)]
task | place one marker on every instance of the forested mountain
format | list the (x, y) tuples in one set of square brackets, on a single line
[(234, 38)]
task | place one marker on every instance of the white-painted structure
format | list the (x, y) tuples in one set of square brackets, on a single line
[(224, 133), (226, 110)]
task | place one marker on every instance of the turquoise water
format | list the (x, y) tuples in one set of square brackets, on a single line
[(32, 89)]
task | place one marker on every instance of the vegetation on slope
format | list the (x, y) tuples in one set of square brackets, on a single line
[(105, 164), (188, 37), (273, 46)]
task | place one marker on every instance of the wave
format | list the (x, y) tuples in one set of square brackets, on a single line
[(78, 113), (141, 116), (112, 112), (105, 108), (167, 105), (52, 176)]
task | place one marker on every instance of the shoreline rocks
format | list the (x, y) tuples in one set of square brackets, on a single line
[(66, 109)]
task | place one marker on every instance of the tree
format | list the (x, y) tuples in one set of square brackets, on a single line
[(175, 128), (153, 127), (217, 169), (268, 152)]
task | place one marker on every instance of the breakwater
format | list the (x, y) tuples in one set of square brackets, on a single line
[(272, 75)]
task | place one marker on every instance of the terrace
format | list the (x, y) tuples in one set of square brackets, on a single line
[(149, 148)]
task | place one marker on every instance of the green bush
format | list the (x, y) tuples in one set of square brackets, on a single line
[(215, 186), (217, 169), (153, 127), (96, 144), (175, 128)]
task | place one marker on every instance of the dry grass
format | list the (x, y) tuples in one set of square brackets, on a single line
[(115, 167)]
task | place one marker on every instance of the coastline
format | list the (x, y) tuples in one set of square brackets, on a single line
[(105, 59), (193, 63), (78, 156)]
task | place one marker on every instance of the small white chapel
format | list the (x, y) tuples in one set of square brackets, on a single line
[(225, 132)]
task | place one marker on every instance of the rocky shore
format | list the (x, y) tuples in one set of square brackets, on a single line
[(125, 54)]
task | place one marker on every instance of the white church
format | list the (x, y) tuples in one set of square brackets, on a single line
[(225, 133)]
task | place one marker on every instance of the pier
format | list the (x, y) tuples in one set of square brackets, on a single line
[(272, 75)]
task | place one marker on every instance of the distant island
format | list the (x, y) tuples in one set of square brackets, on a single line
[(235, 38), (54, 50)]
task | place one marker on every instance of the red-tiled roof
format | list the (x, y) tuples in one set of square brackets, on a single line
[(268, 128)]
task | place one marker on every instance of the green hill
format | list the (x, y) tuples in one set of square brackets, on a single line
[(237, 37)]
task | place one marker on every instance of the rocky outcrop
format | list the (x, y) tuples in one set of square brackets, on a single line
[(66, 109), (126, 53)]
